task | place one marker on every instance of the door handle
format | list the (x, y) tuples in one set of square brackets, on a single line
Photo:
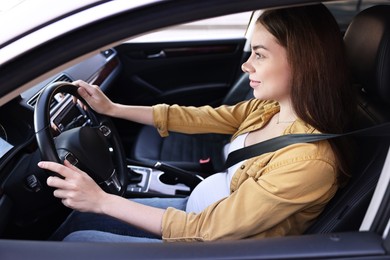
[(158, 55)]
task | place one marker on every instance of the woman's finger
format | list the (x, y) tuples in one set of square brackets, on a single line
[(55, 182), (62, 170), (61, 194), (75, 169)]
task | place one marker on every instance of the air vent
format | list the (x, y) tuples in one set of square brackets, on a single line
[(63, 77)]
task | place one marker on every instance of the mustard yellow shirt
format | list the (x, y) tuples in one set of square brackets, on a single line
[(274, 194)]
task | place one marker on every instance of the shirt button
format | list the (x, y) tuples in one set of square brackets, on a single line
[(242, 167)]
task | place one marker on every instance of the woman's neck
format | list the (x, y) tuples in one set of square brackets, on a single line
[(286, 114)]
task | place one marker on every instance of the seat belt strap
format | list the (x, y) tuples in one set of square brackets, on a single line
[(285, 140)]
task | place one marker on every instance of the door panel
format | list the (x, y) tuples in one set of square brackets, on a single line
[(185, 73)]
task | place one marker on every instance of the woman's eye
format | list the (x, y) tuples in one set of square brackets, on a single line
[(259, 56)]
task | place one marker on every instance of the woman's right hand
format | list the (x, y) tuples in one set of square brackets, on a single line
[(100, 103), (95, 98), (76, 189)]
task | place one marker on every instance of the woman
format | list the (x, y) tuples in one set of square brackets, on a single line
[(300, 83)]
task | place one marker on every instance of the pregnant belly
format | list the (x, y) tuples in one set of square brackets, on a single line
[(212, 189)]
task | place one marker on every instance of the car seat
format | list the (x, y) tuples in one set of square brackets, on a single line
[(200, 153), (367, 42)]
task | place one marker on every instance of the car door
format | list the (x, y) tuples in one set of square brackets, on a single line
[(185, 73)]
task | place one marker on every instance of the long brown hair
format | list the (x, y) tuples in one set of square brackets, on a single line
[(321, 92)]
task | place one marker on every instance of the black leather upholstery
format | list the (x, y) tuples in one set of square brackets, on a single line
[(368, 49), (367, 43), (185, 151), (180, 150)]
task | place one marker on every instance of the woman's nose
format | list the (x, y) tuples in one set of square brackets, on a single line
[(246, 67)]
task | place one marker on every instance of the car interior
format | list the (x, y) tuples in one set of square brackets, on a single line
[(137, 73)]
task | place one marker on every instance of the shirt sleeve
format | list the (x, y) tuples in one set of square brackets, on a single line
[(260, 207), (205, 119)]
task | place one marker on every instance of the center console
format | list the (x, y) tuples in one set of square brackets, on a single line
[(150, 180)]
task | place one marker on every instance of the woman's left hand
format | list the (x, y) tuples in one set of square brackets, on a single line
[(77, 190)]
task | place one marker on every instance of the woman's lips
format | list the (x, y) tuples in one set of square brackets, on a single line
[(254, 83)]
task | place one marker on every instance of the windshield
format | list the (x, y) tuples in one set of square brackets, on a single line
[(21, 16)]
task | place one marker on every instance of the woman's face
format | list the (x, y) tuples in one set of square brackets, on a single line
[(268, 68)]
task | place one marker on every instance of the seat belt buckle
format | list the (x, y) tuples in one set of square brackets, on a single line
[(206, 165)]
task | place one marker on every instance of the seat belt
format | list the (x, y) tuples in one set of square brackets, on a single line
[(285, 140)]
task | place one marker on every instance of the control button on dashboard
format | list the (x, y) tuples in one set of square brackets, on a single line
[(71, 158), (105, 130)]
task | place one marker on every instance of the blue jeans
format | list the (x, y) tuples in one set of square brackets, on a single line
[(81, 226)]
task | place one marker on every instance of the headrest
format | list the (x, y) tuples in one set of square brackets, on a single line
[(367, 42)]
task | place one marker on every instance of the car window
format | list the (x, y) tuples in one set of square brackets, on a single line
[(344, 11), (228, 26)]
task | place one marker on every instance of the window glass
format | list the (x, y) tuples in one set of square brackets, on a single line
[(223, 27)]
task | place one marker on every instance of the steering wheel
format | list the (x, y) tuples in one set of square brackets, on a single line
[(94, 148)]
